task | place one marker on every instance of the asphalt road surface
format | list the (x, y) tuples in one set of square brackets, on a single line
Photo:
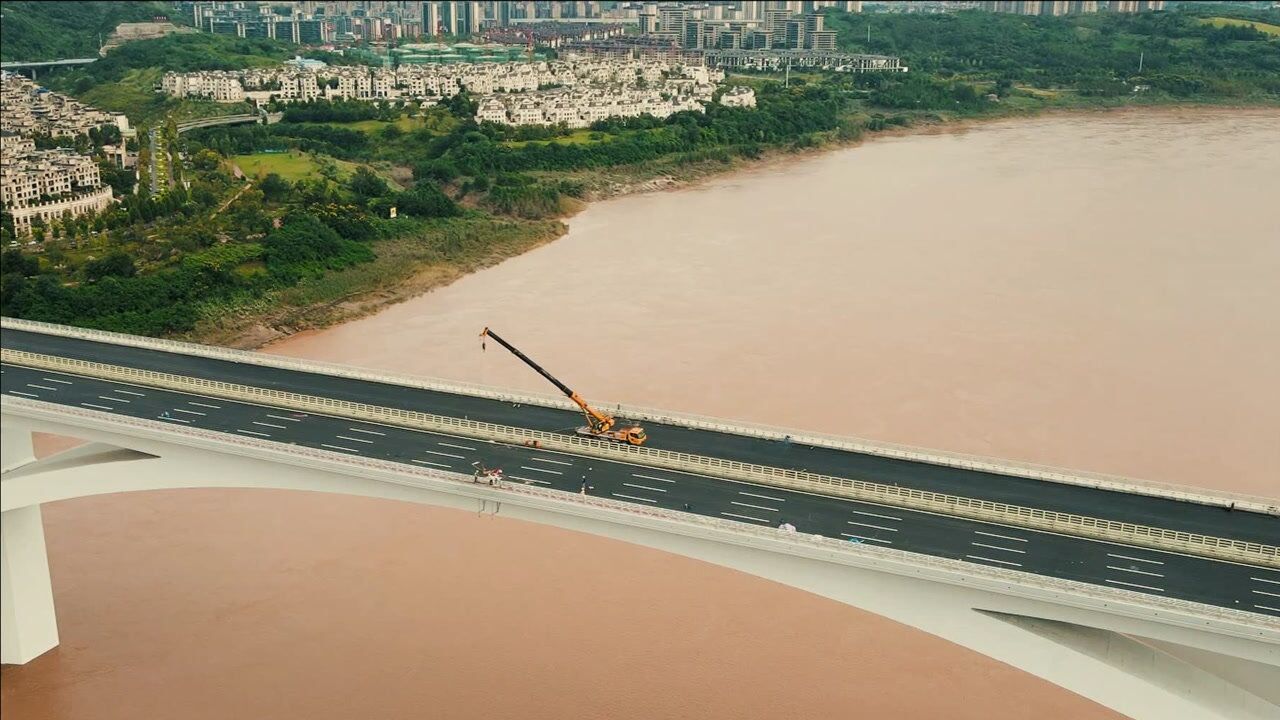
[(1224, 584)]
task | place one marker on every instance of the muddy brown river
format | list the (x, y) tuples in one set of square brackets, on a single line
[(1092, 291)]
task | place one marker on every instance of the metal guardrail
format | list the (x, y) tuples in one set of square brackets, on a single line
[(1264, 505), (414, 476), (1033, 518)]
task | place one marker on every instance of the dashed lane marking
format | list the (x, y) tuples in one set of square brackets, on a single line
[(359, 440), (444, 454), (987, 559), (541, 470), (1135, 559), (367, 432), (459, 447), (745, 517), (650, 477), (189, 412), (252, 432), (267, 424), (1135, 572), (1263, 592), (428, 462), (100, 407), (762, 497), (1136, 585), (753, 507), (174, 419), (1268, 607), (1002, 537), (876, 515), (130, 392), (42, 387), (281, 417), (339, 447), (877, 527), (644, 487), (529, 480), (113, 399), (864, 537), (634, 497), (1265, 580), (24, 394), (997, 547), (549, 460), (56, 380), (200, 404)]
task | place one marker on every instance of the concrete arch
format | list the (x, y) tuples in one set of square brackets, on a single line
[(1170, 667)]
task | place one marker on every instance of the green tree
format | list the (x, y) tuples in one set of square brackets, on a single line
[(114, 264), (274, 188), (367, 185)]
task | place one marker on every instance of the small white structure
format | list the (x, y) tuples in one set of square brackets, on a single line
[(739, 96)]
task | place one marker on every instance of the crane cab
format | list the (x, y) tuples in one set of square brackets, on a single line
[(631, 435)]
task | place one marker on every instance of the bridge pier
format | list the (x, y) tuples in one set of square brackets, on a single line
[(28, 624)]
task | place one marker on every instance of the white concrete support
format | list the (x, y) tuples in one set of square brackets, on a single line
[(15, 447), (30, 626)]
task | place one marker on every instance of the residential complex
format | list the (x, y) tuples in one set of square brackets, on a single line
[(576, 91), (47, 184)]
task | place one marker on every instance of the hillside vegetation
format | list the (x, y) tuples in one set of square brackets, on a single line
[(60, 30)]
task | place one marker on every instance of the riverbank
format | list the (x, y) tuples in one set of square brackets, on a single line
[(403, 270)]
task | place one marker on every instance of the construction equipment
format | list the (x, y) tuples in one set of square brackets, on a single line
[(599, 424)]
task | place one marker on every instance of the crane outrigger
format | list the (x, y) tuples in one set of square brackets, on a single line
[(599, 424)]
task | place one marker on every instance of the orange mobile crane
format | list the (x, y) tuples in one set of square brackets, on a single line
[(599, 424)]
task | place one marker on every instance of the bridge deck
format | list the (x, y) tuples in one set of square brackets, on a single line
[(1124, 507)]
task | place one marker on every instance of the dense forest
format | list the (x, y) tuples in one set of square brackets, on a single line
[(57, 29)]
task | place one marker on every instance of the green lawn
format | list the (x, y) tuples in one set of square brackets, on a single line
[(291, 166), (577, 137), (1267, 28)]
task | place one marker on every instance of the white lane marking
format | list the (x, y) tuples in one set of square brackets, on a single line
[(367, 432), (338, 447), (762, 497), (1268, 607), (267, 424), (529, 480), (113, 399), (281, 417), (128, 392), (745, 517), (56, 380), (1273, 582), (344, 437), (1002, 537), (644, 487), (1135, 572), (200, 404), (1002, 562), (444, 454), (428, 462), (1144, 587), (542, 470), (650, 477), (877, 527), (869, 539), (188, 422), (460, 447), (252, 432), (549, 460), (100, 407), (876, 515), (1263, 592), (188, 412), (633, 497), (997, 547), (24, 394), (753, 507), (1135, 559), (42, 387)]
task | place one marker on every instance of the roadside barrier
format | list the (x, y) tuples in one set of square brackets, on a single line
[(1046, 520)]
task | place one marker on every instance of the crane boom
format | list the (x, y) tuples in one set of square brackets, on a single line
[(598, 423)]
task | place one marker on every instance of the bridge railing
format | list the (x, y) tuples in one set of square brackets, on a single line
[(414, 476), (1269, 506), (800, 480)]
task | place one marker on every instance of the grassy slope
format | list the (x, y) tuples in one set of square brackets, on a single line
[(61, 30), (1267, 28)]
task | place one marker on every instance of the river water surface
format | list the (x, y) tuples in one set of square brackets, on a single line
[(1092, 291)]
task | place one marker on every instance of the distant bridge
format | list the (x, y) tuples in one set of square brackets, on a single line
[(215, 121), (33, 64)]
